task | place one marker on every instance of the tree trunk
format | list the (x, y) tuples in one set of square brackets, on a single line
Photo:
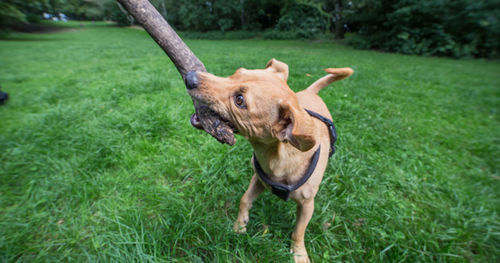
[(339, 22), (242, 14)]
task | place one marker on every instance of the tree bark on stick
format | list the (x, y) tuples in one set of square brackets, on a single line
[(153, 22), (183, 58)]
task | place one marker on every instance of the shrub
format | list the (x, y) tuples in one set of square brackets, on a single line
[(298, 21), (458, 28), (33, 18), (10, 15), (120, 18)]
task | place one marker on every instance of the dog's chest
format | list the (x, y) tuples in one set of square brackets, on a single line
[(285, 171)]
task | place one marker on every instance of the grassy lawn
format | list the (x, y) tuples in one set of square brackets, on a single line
[(98, 161)]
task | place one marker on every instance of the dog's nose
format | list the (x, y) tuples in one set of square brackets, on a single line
[(191, 80)]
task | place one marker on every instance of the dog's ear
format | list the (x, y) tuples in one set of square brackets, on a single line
[(278, 67), (294, 128)]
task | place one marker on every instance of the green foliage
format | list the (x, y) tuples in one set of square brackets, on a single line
[(120, 18), (300, 21), (201, 15), (10, 15), (13, 12), (90, 9), (120, 15), (98, 161), (458, 28), (33, 18), (454, 28)]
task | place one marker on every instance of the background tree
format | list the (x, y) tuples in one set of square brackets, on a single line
[(339, 22), (10, 15), (454, 28)]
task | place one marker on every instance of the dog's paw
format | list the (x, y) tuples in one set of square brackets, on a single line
[(238, 228), (300, 255)]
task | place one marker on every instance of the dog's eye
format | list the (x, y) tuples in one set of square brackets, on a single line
[(239, 100)]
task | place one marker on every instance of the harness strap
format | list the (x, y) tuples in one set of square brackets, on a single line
[(331, 129), (282, 190)]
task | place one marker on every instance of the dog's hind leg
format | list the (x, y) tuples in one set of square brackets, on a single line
[(254, 190), (305, 210)]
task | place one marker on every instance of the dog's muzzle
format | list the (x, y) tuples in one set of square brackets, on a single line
[(207, 119)]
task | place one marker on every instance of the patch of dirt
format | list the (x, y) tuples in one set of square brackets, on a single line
[(137, 27)]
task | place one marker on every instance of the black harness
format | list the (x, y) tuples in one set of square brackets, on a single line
[(283, 190)]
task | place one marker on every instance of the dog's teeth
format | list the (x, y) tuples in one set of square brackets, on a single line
[(195, 121)]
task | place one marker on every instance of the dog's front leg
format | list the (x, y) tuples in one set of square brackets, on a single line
[(305, 209), (254, 189)]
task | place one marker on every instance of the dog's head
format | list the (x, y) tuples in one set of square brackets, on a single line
[(257, 104)]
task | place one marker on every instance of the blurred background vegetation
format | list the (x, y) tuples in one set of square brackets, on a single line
[(454, 28)]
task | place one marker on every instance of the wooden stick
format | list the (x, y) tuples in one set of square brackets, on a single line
[(184, 60), (147, 15)]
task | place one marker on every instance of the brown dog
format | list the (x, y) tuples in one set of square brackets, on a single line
[(289, 143)]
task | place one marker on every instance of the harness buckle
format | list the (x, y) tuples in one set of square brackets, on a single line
[(281, 192)]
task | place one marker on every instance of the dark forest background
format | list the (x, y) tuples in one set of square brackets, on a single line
[(455, 28)]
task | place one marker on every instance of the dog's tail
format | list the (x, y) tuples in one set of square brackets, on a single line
[(334, 75)]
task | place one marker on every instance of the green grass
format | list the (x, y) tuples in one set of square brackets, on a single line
[(98, 161)]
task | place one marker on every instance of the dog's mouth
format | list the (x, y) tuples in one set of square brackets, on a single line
[(214, 124)]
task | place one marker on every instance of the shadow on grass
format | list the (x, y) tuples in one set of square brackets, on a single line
[(22, 38), (32, 32)]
